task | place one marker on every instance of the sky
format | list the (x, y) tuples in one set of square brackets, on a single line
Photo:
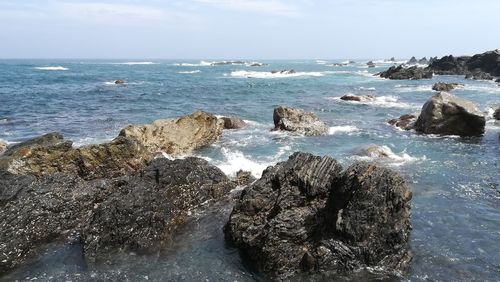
[(247, 29)]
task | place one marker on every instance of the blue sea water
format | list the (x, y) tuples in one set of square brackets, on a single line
[(455, 181)]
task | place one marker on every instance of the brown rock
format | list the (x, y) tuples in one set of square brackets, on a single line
[(447, 87), (404, 122), (3, 147), (357, 98), (119, 81), (233, 123), (298, 120)]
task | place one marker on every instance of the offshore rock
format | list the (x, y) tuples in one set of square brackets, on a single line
[(370, 64), (355, 98), (446, 114), (405, 122), (307, 216), (120, 81), (136, 212), (446, 87), (423, 61), (51, 153), (177, 136), (400, 72), (413, 61), (233, 123), (496, 113), (484, 66), (298, 120)]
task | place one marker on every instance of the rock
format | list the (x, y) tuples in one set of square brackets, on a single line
[(298, 120), (447, 87), (481, 66), (423, 61), (401, 72), (51, 153), (496, 113), (432, 60), (488, 62), (370, 64), (405, 122), (374, 151), (446, 114), (412, 61), (233, 123), (244, 178), (3, 147), (134, 213), (449, 65), (479, 75), (119, 81), (392, 59), (307, 216), (177, 136), (283, 71), (357, 98)]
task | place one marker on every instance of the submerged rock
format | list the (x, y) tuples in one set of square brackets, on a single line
[(447, 87), (233, 123), (51, 153), (370, 64), (405, 122), (298, 120), (177, 136), (307, 216), (357, 98), (136, 212), (449, 115), (401, 72)]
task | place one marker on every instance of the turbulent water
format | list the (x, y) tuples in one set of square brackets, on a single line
[(455, 181)]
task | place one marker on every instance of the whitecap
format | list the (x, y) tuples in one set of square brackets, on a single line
[(385, 154), (321, 62), (342, 129), (135, 63), (379, 101), (413, 88), (57, 68), (189, 72), (279, 74)]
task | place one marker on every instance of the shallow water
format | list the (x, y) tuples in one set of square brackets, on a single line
[(455, 181)]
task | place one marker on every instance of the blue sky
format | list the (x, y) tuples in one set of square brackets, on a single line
[(247, 29)]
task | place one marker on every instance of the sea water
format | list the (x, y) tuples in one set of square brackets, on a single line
[(455, 181)]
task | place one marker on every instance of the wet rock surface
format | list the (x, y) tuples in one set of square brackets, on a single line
[(307, 216), (233, 123), (446, 87), (446, 114), (405, 122), (135, 212), (298, 120), (365, 98), (402, 72)]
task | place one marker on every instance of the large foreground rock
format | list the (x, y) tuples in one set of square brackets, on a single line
[(51, 153), (298, 120), (446, 114), (307, 216), (136, 212), (402, 72), (177, 136)]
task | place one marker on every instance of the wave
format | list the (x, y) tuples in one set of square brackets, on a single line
[(220, 63), (360, 72), (321, 62), (379, 101), (389, 62), (279, 74), (342, 129), (189, 72), (57, 68), (135, 63), (413, 88), (385, 154)]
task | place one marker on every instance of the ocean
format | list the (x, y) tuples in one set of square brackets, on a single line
[(455, 181)]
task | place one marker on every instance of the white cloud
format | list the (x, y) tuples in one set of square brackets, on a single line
[(273, 7)]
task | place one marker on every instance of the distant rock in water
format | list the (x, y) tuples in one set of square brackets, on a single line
[(283, 71), (177, 136), (481, 66), (423, 61), (496, 113), (370, 64), (447, 87), (3, 147), (51, 153), (412, 61), (405, 122), (400, 72), (432, 60), (446, 114), (355, 98), (135, 212), (233, 123), (307, 216), (392, 59), (298, 120), (119, 81)]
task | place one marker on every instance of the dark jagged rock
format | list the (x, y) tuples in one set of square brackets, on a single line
[(432, 60), (446, 114), (136, 212), (298, 120), (307, 216), (423, 61), (405, 122), (357, 98), (283, 71), (447, 87), (244, 178), (496, 113), (412, 61), (392, 59), (51, 153), (449, 65), (481, 66), (370, 64), (400, 72), (233, 123)]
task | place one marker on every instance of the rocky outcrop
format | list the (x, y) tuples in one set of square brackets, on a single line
[(405, 122), (307, 216), (423, 61), (402, 72), (135, 212), (283, 71), (481, 66), (446, 114), (298, 120), (446, 87), (355, 98), (496, 113), (244, 178), (51, 153), (3, 147), (412, 61), (177, 136), (370, 64), (233, 123)]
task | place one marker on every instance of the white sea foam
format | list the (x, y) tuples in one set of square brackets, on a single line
[(57, 68), (488, 88), (385, 154), (359, 72), (389, 62), (413, 88), (263, 74), (342, 129), (189, 72), (135, 63), (367, 88), (379, 101), (320, 62)]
